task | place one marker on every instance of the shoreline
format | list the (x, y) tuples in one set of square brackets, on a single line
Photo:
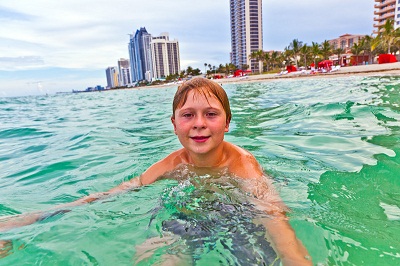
[(362, 70)]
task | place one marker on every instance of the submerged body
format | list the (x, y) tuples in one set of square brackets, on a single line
[(213, 214), (201, 117)]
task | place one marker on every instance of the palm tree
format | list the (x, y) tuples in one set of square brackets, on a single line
[(305, 51), (205, 68), (287, 57), (295, 47), (389, 36), (284, 58), (267, 59), (315, 51), (189, 70), (326, 49), (357, 48), (339, 51), (259, 56), (221, 68), (274, 58), (230, 68), (370, 45)]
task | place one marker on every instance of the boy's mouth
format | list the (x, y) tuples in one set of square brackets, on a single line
[(200, 138)]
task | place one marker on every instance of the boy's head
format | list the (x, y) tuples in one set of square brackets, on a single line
[(204, 87)]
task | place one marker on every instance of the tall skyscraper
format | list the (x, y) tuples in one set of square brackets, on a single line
[(112, 77), (140, 55), (384, 10), (165, 56), (124, 72), (246, 32)]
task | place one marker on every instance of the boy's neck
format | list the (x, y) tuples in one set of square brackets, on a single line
[(213, 159)]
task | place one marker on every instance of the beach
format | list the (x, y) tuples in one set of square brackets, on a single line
[(361, 70)]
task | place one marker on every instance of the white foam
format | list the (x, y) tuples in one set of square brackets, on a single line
[(392, 211)]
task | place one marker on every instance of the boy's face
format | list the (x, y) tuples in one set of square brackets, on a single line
[(200, 123)]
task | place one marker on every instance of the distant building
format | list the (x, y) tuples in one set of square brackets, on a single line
[(345, 41), (152, 57), (140, 55), (246, 32), (165, 56), (124, 76), (384, 10), (96, 88), (112, 77)]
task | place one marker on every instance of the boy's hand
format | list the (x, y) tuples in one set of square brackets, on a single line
[(6, 247)]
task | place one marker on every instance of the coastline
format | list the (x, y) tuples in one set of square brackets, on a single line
[(362, 70)]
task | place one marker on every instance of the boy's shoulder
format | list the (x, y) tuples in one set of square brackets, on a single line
[(161, 167), (243, 164), (174, 159)]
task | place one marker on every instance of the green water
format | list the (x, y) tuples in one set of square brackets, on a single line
[(331, 145)]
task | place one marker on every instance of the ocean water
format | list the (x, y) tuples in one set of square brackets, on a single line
[(332, 147)]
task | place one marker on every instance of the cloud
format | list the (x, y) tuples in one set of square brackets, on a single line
[(22, 62), (91, 35), (96, 34), (51, 80)]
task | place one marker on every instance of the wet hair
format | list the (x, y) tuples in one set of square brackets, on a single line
[(204, 87)]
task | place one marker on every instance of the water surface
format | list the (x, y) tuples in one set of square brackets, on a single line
[(331, 145)]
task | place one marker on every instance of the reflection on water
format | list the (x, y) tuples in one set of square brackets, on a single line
[(331, 145), (211, 216)]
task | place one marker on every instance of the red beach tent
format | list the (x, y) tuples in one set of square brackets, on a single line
[(291, 68), (240, 73), (387, 58), (325, 64)]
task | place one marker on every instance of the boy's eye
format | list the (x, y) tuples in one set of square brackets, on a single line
[(187, 115), (211, 114)]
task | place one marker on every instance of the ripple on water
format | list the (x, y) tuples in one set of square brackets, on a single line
[(331, 145)]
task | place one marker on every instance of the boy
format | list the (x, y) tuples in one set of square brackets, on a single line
[(201, 116)]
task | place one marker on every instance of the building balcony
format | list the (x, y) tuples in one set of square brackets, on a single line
[(385, 9), (379, 25), (386, 16), (386, 3)]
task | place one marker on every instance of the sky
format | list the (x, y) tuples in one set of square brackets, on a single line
[(49, 46)]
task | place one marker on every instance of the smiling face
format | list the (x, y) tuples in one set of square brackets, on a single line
[(200, 123)]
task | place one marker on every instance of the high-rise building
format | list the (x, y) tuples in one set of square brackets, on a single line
[(112, 77), (246, 32), (124, 72), (384, 10), (140, 56), (165, 56)]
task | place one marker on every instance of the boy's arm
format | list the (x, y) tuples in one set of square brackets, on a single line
[(278, 230), (9, 222), (148, 177)]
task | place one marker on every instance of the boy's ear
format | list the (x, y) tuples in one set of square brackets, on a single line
[(173, 123), (227, 126)]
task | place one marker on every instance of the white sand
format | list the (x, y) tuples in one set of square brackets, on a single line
[(363, 70)]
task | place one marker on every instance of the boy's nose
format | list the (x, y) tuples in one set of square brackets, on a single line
[(199, 122)]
